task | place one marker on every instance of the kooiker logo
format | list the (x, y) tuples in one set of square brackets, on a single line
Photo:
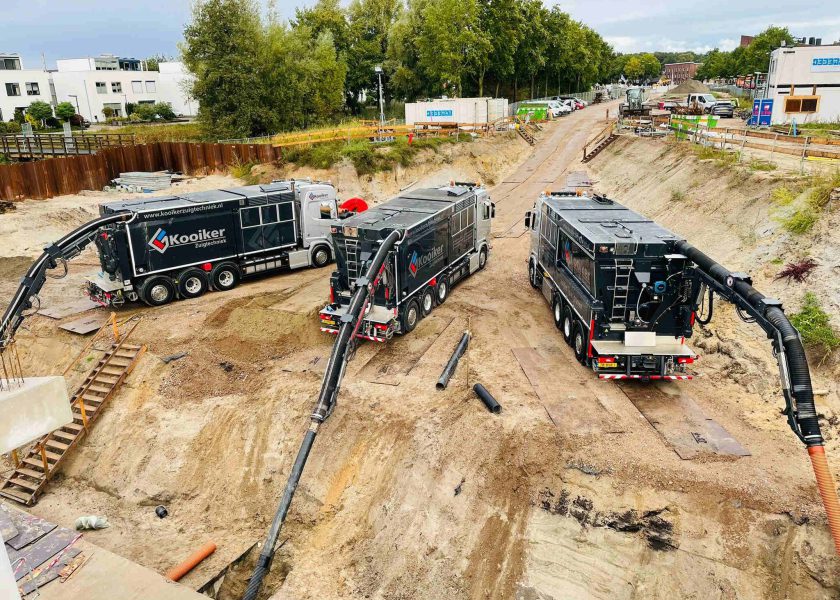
[(161, 241)]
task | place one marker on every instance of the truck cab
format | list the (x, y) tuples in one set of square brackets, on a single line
[(711, 105)]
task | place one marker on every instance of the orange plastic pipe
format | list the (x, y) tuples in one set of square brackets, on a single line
[(178, 571), (825, 483)]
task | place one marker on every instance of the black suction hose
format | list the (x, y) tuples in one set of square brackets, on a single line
[(793, 370), (350, 322)]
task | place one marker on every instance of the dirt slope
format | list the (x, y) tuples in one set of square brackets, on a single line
[(594, 505)]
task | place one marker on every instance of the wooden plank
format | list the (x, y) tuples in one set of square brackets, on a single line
[(681, 422), (68, 308), (30, 527), (86, 325), (391, 364), (569, 402), (44, 549), (42, 578)]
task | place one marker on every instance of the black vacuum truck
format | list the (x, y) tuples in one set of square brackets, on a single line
[(625, 294), (159, 249), (444, 237)]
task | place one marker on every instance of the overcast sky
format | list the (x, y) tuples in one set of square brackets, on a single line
[(139, 28)]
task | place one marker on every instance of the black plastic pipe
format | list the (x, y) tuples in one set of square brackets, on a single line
[(350, 322), (489, 401), (450, 367)]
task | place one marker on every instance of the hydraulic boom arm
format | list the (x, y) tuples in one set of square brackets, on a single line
[(63, 250), (365, 287), (790, 355)]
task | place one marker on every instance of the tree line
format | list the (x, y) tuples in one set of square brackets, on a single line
[(257, 75), (745, 60)]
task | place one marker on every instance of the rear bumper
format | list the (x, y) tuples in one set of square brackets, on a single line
[(645, 377), (666, 359), (379, 325)]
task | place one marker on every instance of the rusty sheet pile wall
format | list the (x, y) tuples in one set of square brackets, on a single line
[(70, 175)]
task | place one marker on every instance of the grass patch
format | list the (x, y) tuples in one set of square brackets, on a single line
[(367, 158), (824, 126), (814, 325), (174, 132), (801, 220), (677, 196), (783, 196), (777, 261), (721, 157), (242, 171), (822, 186), (762, 165)]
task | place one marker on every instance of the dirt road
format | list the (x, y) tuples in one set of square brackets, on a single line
[(415, 493)]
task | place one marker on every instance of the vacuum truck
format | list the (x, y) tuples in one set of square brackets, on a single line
[(182, 246), (444, 237)]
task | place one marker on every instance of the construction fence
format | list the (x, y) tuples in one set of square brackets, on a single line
[(70, 175)]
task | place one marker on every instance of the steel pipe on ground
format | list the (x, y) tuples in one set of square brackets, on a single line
[(450, 367)]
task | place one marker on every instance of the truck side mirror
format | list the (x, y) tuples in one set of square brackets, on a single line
[(528, 220)]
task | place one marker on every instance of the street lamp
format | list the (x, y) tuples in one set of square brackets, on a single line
[(378, 70)]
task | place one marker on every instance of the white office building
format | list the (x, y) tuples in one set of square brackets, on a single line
[(804, 83), (21, 87), (93, 84), (96, 83)]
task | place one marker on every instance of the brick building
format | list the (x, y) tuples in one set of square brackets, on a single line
[(679, 72)]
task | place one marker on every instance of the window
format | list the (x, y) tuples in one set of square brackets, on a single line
[(579, 263), (10, 64), (250, 217), (268, 214), (33, 89), (150, 87), (137, 87), (12, 89), (802, 104), (116, 87), (101, 88)]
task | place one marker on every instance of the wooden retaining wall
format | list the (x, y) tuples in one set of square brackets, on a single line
[(70, 175)]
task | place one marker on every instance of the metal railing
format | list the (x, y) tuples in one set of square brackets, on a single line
[(48, 145)]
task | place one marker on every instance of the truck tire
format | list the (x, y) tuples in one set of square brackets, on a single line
[(157, 291), (568, 325), (579, 342), (427, 301), (557, 312), (533, 275), (482, 258), (442, 289), (225, 276), (321, 256), (410, 316), (192, 283)]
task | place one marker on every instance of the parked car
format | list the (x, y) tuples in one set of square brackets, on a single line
[(558, 108), (580, 103)]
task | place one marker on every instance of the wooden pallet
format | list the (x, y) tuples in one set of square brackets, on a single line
[(46, 455)]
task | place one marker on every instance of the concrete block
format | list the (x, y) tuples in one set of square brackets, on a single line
[(32, 409)]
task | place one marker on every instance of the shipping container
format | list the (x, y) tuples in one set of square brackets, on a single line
[(456, 110)]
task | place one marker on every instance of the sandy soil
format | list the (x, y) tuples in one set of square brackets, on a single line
[(414, 493)]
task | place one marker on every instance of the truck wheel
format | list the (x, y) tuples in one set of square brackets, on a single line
[(442, 289), (192, 283), (225, 277), (157, 291), (321, 256), (568, 325), (411, 315), (533, 276), (579, 344), (427, 301), (482, 258), (557, 312)]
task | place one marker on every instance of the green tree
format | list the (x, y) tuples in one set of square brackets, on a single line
[(325, 15), (145, 112), (369, 24), (224, 48), (153, 62), (164, 110), (530, 55), (634, 70), (65, 110), (651, 68), (451, 43), (108, 112), (756, 57), (503, 23), (40, 111)]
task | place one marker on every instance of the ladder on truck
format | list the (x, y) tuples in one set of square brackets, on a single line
[(47, 454), (352, 260), (621, 289)]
